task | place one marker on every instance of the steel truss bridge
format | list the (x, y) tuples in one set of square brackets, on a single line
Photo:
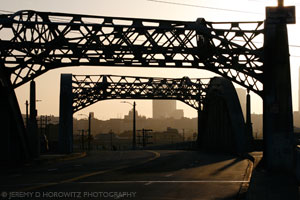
[(252, 54), (35, 42), (81, 91), (89, 89)]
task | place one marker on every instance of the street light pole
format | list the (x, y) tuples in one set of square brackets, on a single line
[(82, 139), (89, 130), (27, 118), (89, 135), (134, 128), (134, 124)]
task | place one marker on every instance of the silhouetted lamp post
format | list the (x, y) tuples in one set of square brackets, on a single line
[(134, 124), (27, 117), (89, 130)]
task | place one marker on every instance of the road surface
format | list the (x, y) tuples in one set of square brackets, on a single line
[(131, 175)]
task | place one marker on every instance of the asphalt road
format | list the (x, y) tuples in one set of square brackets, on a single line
[(131, 175)]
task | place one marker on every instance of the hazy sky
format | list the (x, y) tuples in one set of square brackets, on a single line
[(48, 84)]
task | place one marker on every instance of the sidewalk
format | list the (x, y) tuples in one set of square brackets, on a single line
[(266, 185), (50, 158), (43, 159)]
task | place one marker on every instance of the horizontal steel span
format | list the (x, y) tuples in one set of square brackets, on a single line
[(34, 42), (89, 89)]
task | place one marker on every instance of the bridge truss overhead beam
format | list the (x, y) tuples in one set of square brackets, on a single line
[(89, 89), (35, 42)]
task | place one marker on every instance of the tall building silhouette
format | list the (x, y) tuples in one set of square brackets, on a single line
[(241, 92), (166, 109), (299, 92)]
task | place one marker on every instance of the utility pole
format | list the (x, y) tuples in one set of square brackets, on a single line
[(134, 124), (89, 134), (27, 118), (82, 139), (111, 139), (134, 128)]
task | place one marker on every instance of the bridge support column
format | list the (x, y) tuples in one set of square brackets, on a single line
[(248, 119), (277, 99), (33, 134), (66, 115), (13, 142)]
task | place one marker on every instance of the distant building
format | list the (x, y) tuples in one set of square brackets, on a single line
[(130, 115), (242, 97), (299, 92), (166, 109), (178, 114)]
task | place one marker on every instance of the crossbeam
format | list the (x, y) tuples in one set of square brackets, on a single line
[(34, 42), (89, 89)]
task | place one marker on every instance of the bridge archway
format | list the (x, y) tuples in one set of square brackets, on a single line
[(81, 91), (223, 125)]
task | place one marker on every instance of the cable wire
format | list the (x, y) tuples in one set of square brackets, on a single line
[(206, 7)]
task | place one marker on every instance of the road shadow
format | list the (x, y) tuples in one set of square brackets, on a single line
[(266, 185), (183, 160)]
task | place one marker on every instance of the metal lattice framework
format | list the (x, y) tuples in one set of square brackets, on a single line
[(89, 89), (32, 43)]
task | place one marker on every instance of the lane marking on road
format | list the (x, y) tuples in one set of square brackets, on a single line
[(156, 155), (159, 181), (169, 175), (148, 182), (50, 170), (16, 175)]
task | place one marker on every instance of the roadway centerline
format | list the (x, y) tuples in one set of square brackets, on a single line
[(156, 155), (50, 170), (145, 182), (161, 181), (169, 175)]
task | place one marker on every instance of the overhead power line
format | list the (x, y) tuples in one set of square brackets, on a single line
[(206, 7)]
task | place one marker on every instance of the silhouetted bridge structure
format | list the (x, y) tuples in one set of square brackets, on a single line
[(34, 42), (81, 91)]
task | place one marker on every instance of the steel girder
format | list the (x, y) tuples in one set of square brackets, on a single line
[(32, 43), (89, 89)]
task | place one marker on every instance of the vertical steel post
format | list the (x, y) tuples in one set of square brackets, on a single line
[(277, 98), (34, 136), (248, 116), (14, 147), (199, 127), (66, 115)]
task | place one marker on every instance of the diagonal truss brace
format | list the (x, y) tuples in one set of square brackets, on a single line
[(32, 43), (89, 89)]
